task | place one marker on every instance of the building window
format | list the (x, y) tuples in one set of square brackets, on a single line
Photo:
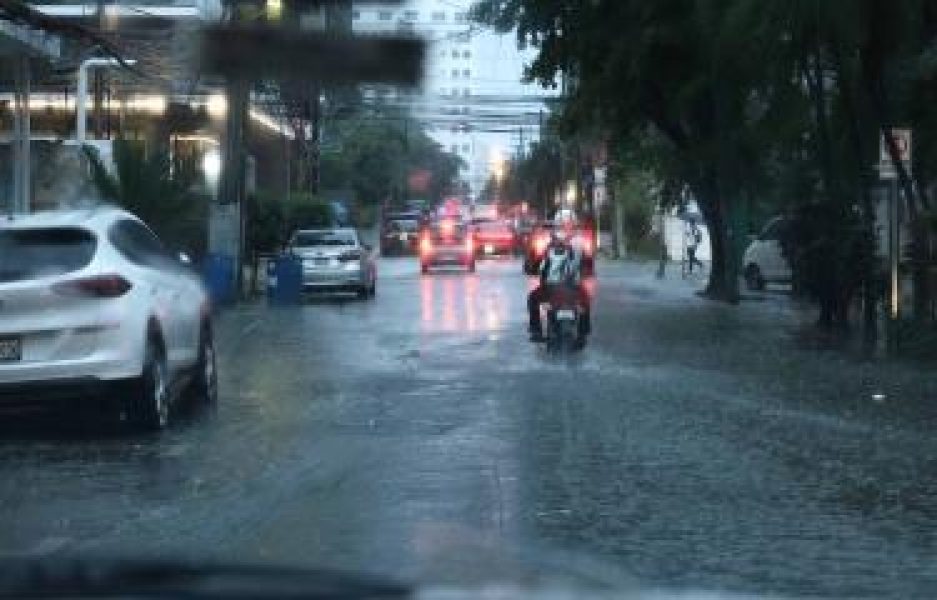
[(459, 17), (455, 54), (465, 148), (466, 54), (410, 15), (439, 16), (455, 73), (385, 15), (454, 148), (466, 73), (466, 92), (462, 37)]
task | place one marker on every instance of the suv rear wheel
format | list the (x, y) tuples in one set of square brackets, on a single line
[(204, 387), (148, 405)]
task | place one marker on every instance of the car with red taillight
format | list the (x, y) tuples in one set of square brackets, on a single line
[(447, 242), (493, 237), (335, 260), (93, 306)]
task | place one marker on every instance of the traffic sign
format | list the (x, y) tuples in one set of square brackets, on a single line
[(902, 138), (886, 168)]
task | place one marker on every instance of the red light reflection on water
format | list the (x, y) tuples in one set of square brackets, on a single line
[(456, 302)]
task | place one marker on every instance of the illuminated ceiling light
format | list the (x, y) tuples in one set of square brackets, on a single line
[(217, 106), (211, 166), (155, 104), (198, 138), (152, 104), (274, 10)]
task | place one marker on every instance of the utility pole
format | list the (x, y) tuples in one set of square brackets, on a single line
[(22, 136), (662, 234), (315, 154), (894, 253)]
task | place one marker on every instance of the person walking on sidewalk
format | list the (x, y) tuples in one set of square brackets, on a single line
[(694, 237)]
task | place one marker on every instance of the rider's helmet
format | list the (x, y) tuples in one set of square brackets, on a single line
[(565, 222)]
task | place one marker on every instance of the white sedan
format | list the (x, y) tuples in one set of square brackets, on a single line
[(92, 305)]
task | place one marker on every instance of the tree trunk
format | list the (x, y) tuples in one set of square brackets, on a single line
[(722, 284)]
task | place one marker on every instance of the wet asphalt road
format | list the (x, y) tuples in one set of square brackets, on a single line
[(420, 435)]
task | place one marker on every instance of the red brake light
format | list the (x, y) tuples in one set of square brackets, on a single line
[(426, 245), (540, 245), (102, 286)]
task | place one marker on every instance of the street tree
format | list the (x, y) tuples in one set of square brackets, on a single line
[(668, 64)]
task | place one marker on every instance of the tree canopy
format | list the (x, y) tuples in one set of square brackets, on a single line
[(383, 155), (753, 100)]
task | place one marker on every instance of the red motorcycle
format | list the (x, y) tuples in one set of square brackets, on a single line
[(564, 312)]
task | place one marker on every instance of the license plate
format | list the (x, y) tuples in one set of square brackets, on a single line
[(403, 237), (11, 349), (489, 249), (565, 315)]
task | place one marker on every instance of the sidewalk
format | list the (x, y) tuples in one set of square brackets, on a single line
[(767, 344)]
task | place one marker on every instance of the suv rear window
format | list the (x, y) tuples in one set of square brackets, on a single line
[(48, 252), (448, 232)]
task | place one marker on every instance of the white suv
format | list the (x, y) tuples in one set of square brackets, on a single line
[(92, 305)]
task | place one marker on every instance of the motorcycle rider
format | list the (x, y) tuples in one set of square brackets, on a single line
[(561, 265)]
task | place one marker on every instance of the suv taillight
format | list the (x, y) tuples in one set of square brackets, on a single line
[(101, 286)]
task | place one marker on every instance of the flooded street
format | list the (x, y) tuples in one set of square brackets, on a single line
[(421, 436)]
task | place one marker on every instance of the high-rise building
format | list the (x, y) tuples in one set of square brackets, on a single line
[(472, 100)]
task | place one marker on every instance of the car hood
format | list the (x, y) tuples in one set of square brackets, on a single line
[(88, 577)]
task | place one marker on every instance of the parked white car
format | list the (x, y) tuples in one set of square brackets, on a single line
[(93, 306), (764, 260), (335, 259)]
